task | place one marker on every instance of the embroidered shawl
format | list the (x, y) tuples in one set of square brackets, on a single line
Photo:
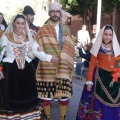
[(47, 38)]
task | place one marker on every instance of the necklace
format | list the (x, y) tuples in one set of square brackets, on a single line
[(106, 44), (18, 35)]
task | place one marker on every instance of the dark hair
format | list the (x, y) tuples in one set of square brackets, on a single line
[(4, 22), (28, 10), (108, 27), (19, 16)]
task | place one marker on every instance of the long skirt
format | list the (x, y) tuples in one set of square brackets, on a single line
[(103, 102), (19, 93)]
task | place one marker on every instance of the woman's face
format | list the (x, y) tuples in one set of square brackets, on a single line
[(107, 36), (1, 19), (19, 25)]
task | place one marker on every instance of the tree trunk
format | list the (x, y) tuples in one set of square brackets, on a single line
[(114, 16), (85, 17)]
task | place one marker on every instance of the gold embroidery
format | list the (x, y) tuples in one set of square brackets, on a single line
[(11, 38), (109, 55)]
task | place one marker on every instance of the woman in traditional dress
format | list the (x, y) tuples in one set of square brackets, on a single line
[(3, 24), (18, 89), (101, 97)]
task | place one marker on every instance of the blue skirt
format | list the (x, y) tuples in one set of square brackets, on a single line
[(98, 103)]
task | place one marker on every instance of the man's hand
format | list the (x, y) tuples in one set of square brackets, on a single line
[(54, 60)]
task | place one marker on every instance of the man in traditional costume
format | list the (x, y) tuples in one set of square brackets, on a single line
[(54, 77), (29, 14)]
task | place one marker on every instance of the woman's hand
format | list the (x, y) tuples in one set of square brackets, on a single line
[(89, 87)]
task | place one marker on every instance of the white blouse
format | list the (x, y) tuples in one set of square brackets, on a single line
[(9, 52)]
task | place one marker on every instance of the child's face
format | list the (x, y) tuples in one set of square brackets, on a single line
[(107, 36)]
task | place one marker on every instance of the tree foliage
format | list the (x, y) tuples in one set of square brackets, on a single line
[(80, 6), (108, 5), (71, 6), (88, 10)]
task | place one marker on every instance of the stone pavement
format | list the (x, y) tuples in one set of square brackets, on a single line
[(73, 103)]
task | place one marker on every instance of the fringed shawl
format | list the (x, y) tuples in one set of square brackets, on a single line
[(66, 63), (47, 38)]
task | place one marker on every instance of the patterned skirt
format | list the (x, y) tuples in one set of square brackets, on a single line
[(103, 102), (18, 92), (31, 114), (61, 88)]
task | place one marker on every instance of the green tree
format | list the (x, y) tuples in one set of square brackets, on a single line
[(88, 10)]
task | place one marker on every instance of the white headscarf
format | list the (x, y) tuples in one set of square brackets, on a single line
[(57, 6), (98, 42), (26, 32), (54, 6)]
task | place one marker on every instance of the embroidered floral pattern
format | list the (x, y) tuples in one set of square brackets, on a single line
[(119, 114), (20, 55), (86, 112)]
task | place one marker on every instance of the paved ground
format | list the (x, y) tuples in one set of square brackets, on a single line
[(74, 101)]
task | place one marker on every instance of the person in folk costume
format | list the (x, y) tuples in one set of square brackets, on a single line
[(29, 15), (3, 24), (100, 99), (54, 77), (18, 90)]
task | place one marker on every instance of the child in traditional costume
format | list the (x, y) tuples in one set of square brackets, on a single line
[(101, 96)]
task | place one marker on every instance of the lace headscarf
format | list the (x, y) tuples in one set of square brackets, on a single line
[(26, 31), (98, 42)]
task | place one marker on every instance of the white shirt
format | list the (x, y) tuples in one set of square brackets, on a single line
[(42, 55), (57, 30), (9, 52), (83, 36)]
